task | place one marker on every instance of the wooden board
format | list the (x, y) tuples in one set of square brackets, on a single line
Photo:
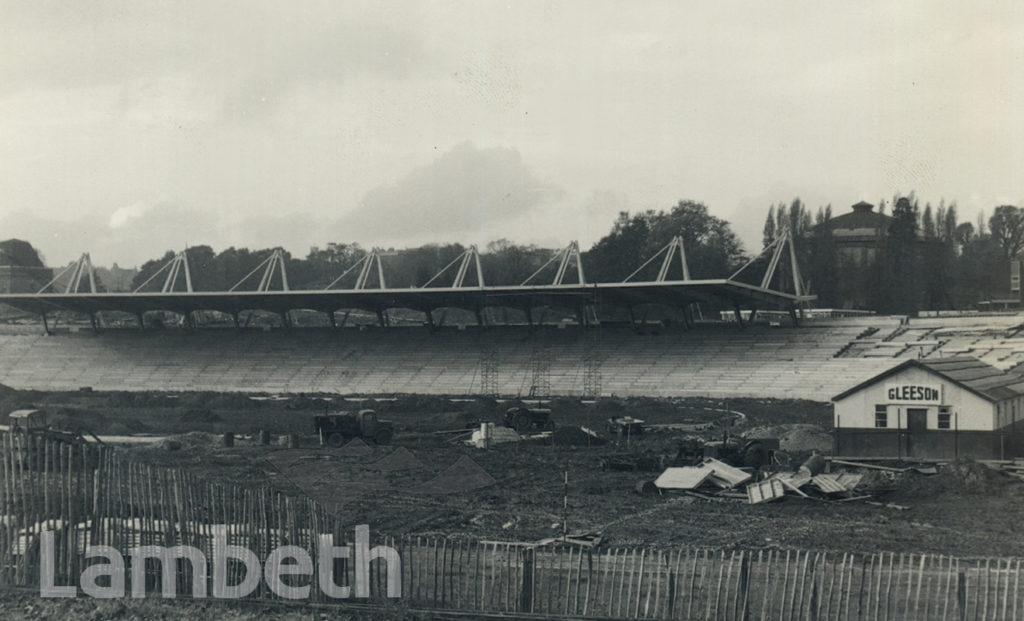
[(765, 491)]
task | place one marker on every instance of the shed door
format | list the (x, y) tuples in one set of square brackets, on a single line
[(917, 420), (917, 427)]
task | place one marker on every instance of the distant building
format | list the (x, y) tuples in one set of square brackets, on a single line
[(1005, 293), (933, 409), (857, 244), (859, 235)]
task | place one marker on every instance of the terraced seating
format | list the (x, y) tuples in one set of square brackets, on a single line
[(711, 360)]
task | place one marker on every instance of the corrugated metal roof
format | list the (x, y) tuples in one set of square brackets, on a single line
[(978, 376)]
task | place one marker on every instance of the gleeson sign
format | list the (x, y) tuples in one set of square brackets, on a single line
[(914, 393)]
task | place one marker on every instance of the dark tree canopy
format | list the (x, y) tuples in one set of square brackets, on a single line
[(712, 249), (1007, 227), (20, 253)]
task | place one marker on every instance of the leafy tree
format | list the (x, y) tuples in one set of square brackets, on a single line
[(901, 273), (928, 230), (712, 249), (19, 252), (769, 227), (1007, 227), (506, 263), (148, 269)]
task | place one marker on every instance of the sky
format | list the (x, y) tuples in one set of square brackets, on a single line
[(131, 128)]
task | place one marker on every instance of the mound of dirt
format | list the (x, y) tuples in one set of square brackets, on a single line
[(970, 477), (356, 447), (795, 438), (463, 476), (961, 478), (399, 459), (198, 439)]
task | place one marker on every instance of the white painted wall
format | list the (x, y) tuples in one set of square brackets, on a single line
[(972, 412)]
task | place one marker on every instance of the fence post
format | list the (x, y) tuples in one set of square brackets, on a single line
[(744, 586), (961, 596), (526, 584)]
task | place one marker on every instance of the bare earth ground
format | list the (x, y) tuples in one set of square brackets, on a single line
[(965, 511), (22, 605)]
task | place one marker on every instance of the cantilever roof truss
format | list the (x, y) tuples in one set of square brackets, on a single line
[(628, 294)]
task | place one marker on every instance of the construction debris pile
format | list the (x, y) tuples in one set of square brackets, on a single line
[(714, 479)]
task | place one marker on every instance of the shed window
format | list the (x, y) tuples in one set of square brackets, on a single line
[(944, 417), (881, 416)]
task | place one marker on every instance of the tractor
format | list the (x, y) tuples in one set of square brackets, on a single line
[(30, 429), (754, 453), (336, 429), (524, 419)]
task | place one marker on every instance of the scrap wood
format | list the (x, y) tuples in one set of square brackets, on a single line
[(703, 495), (724, 475), (855, 464), (685, 478), (797, 479), (793, 487), (729, 494), (765, 491), (837, 483), (889, 505), (459, 437), (585, 540), (854, 498), (690, 477)]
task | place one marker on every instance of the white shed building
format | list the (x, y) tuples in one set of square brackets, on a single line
[(932, 409)]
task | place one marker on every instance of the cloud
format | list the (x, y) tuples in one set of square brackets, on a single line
[(251, 57), (466, 190), (124, 215)]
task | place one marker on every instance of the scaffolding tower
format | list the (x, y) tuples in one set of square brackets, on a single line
[(540, 368), (489, 372)]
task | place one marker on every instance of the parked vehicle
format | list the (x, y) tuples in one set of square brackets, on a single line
[(524, 419), (336, 429)]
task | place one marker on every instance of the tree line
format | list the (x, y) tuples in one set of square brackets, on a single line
[(712, 250), (925, 258)]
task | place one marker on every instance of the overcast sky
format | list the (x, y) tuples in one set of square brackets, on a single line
[(130, 128)]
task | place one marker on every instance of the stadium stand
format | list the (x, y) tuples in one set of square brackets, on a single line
[(997, 340), (713, 360)]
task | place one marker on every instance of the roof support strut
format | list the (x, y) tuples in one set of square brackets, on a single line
[(465, 260), (274, 262), (669, 250), (566, 257), (366, 265), (79, 269), (175, 267)]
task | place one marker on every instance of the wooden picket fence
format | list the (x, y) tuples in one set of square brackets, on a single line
[(90, 495)]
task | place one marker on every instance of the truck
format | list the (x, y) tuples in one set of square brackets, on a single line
[(337, 428)]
